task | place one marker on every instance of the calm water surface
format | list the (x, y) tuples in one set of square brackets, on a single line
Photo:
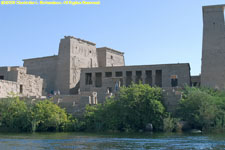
[(87, 141)]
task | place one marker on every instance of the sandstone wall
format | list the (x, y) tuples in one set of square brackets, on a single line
[(74, 54), (17, 80), (45, 67), (8, 87), (108, 57), (75, 104), (168, 71), (32, 86), (213, 50)]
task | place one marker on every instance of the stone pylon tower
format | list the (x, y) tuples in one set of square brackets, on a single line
[(74, 53), (213, 50)]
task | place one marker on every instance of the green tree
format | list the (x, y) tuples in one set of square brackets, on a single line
[(132, 109), (202, 108), (48, 116), (15, 114)]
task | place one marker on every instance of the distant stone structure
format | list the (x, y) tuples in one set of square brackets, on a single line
[(213, 50), (106, 81), (82, 72), (62, 72), (15, 80)]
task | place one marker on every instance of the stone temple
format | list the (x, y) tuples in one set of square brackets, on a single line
[(62, 72), (82, 74)]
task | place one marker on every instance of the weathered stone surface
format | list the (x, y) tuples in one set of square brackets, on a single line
[(119, 78), (213, 50), (108, 57), (62, 72), (8, 87), (17, 81)]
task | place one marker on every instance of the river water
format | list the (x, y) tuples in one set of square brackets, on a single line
[(89, 141)]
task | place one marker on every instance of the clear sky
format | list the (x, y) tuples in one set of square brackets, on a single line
[(148, 31)]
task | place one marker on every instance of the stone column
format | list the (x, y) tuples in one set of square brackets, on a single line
[(153, 77), (143, 76)]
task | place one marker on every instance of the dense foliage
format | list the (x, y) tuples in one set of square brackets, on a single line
[(17, 115), (203, 108), (131, 110)]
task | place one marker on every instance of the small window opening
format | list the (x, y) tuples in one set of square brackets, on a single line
[(158, 78), (21, 89), (119, 74), (128, 78), (98, 80), (108, 74), (111, 57), (148, 79), (138, 77), (174, 81), (88, 78)]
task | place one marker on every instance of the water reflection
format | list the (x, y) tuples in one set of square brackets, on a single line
[(85, 141)]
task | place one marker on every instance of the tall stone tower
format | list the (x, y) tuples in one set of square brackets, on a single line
[(73, 54), (213, 50)]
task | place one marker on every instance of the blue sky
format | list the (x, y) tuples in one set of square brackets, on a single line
[(148, 31)]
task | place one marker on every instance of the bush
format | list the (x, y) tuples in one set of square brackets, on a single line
[(170, 124), (203, 108), (131, 110), (48, 116), (40, 116), (15, 115)]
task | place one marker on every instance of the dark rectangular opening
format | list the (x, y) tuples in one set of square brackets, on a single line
[(109, 90), (138, 77), (108, 74), (158, 78), (119, 74), (21, 89), (128, 78), (98, 79), (88, 78), (121, 82), (148, 79), (1, 77), (174, 81)]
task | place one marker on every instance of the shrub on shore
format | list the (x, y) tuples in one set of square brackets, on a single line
[(203, 108), (17, 115), (133, 108)]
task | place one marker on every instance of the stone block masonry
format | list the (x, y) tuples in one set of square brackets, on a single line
[(16, 80), (213, 49)]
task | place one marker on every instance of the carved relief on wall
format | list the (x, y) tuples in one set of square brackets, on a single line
[(76, 74), (74, 62)]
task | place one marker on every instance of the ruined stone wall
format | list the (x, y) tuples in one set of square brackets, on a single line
[(44, 67), (74, 104), (17, 80), (213, 50), (8, 87), (32, 85), (10, 73), (171, 98)]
